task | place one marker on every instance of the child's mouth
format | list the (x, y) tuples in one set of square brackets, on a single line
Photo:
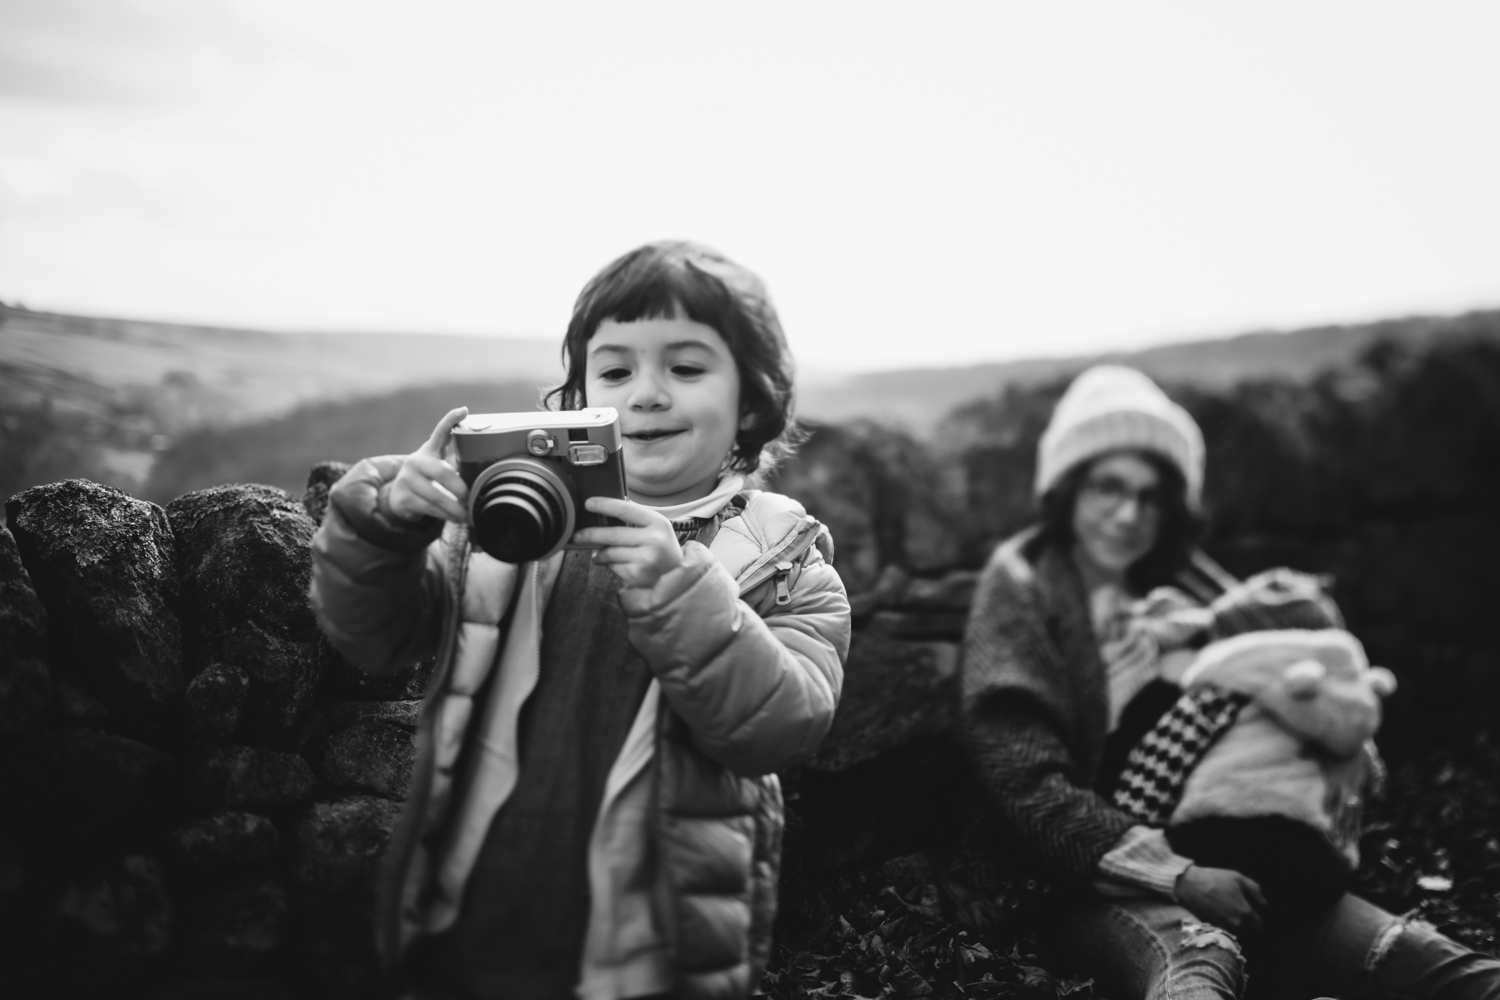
[(651, 435)]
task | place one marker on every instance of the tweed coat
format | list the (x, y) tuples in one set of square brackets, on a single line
[(1034, 709)]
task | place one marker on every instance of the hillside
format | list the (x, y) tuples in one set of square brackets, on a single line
[(102, 399), (183, 376), (279, 451), (919, 398), (157, 409)]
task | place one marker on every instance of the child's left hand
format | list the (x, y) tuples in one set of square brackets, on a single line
[(641, 551)]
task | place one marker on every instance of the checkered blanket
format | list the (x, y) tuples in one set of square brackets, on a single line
[(1150, 787)]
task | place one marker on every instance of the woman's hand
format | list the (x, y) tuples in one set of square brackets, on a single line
[(1222, 897), (427, 485), (640, 551)]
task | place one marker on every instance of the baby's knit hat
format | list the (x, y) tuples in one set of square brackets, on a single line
[(1275, 600), (1108, 408)]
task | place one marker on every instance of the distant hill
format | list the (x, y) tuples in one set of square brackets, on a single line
[(104, 399), (919, 398), (183, 376), (279, 451), (158, 408)]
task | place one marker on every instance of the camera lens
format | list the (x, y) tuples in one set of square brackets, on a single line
[(520, 510)]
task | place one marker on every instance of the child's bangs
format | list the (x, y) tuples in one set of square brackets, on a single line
[(665, 289)]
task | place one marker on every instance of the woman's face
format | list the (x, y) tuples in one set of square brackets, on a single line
[(1118, 511)]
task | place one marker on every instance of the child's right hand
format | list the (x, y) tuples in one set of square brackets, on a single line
[(428, 485)]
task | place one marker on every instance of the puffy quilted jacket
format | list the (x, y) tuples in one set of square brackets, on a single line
[(746, 644)]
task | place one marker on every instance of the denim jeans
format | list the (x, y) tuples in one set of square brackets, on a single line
[(1150, 949)]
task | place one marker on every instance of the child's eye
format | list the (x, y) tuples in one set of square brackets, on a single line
[(687, 370), (614, 374)]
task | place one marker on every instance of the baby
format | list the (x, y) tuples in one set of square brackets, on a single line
[(1262, 764)]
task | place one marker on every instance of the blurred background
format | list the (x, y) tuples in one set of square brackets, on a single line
[(239, 239)]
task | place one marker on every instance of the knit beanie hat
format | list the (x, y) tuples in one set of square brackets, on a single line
[(1108, 408)]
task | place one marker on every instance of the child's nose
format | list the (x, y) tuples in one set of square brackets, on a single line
[(649, 393)]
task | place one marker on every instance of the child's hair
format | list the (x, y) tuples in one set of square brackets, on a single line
[(1178, 530), (672, 278)]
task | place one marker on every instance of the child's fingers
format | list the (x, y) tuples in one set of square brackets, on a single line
[(618, 555), (435, 467), (630, 570), (603, 537), (420, 473), (446, 478), (624, 510), (439, 438), (426, 497)]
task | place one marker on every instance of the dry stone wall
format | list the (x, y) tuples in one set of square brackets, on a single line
[(200, 789)]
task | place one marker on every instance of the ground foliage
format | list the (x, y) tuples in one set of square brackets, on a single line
[(915, 928)]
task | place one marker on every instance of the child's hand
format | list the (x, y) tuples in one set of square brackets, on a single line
[(639, 552), (427, 484)]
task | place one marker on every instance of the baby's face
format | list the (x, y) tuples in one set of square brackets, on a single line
[(677, 388)]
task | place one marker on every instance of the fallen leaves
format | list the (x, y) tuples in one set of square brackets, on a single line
[(911, 930)]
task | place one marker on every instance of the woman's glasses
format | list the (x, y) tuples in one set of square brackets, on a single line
[(1108, 493)]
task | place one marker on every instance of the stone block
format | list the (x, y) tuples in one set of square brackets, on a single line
[(370, 756), (340, 843), (227, 839), (243, 553), (343, 714), (84, 787), (236, 777), (103, 565), (238, 926), (319, 481), (122, 914), (343, 681), (214, 699), (74, 704), (26, 696)]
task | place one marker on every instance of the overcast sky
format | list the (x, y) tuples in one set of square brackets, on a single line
[(920, 184)]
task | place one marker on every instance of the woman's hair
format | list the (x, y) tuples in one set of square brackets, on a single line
[(672, 279), (1178, 531)]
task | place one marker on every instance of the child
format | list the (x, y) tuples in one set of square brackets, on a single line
[(1262, 764), (594, 809)]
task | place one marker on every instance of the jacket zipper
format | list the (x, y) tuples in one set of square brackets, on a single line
[(783, 587), (788, 556)]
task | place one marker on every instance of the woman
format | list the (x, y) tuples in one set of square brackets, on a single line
[(1056, 688)]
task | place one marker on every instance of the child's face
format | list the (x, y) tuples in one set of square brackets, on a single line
[(677, 388)]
